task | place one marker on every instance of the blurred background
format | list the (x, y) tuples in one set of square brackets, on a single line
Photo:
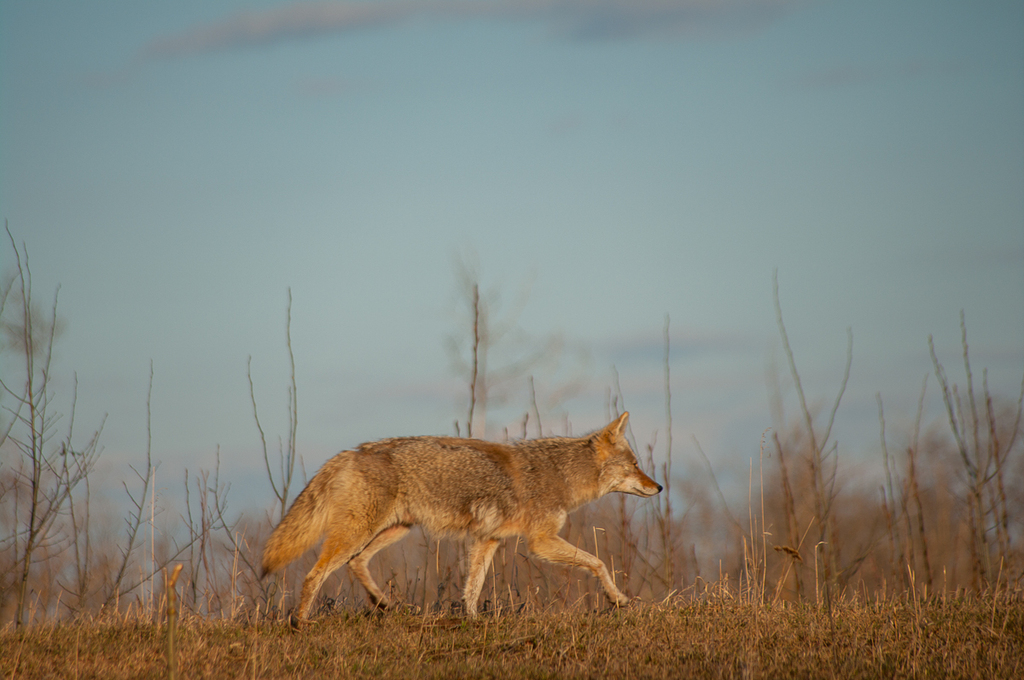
[(606, 188)]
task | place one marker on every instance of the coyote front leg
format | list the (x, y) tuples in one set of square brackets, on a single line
[(556, 549), (480, 554)]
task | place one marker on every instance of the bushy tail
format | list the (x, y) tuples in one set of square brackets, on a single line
[(302, 526)]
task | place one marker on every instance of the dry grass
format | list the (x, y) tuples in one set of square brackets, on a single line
[(819, 573), (718, 637)]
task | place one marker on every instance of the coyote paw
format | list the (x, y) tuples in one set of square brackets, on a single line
[(392, 608), (623, 603), (405, 608), (298, 624)]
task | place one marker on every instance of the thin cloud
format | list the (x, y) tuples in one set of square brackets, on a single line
[(579, 19)]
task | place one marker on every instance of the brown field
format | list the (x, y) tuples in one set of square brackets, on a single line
[(912, 566), (720, 638)]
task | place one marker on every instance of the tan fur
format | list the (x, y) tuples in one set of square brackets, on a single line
[(361, 501)]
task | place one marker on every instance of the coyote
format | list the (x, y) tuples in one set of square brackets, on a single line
[(366, 499)]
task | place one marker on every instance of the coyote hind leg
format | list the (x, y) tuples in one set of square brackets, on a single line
[(336, 552), (358, 564)]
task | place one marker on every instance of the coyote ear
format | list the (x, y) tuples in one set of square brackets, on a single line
[(617, 427)]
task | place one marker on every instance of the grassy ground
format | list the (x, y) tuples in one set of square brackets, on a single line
[(968, 639)]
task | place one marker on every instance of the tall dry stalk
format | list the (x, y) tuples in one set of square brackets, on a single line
[(665, 519), (281, 483), (136, 513), (500, 354), (915, 489), (983, 454), (792, 547), (49, 468), (170, 581), (819, 451), (474, 375)]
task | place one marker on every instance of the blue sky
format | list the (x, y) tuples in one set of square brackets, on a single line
[(176, 167)]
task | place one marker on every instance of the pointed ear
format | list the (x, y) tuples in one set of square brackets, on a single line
[(617, 428)]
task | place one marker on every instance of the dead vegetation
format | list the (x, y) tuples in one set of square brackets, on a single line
[(811, 573), (710, 634)]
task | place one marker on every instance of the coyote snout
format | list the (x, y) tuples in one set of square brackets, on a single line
[(368, 498)]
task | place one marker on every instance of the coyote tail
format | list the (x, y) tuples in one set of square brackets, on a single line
[(303, 525)]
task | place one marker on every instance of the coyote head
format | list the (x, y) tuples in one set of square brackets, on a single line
[(619, 470)]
